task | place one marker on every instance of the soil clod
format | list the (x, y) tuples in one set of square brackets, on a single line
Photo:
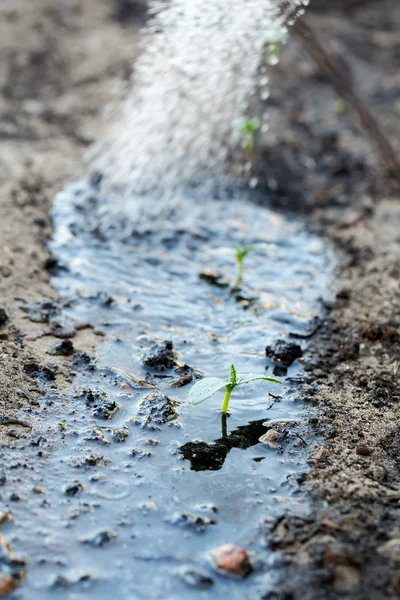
[(283, 352), (3, 317), (155, 410), (189, 521), (100, 538), (64, 348), (160, 357)]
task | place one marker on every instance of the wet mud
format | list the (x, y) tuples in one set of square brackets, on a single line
[(139, 486)]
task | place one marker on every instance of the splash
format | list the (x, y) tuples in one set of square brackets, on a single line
[(201, 63)]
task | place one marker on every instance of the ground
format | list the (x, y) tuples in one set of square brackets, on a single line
[(63, 63), (325, 168)]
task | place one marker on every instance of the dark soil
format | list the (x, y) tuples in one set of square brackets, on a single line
[(322, 165)]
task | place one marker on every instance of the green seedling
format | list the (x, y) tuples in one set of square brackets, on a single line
[(206, 388), (339, 106), (240, 252), (249, 126)]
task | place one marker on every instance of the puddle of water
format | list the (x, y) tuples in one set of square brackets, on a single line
[(129, 507), (114, 496)]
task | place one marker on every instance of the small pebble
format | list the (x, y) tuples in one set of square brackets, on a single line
[(73, 489), (232, 560), (100, 538), (195, 578)]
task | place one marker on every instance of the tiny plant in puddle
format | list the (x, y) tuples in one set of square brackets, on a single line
[(206, 388), (240, 252), (249, 126)]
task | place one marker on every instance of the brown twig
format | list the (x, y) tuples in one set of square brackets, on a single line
[(366, 119)]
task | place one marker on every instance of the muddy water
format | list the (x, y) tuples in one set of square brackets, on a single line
[(122, 497)]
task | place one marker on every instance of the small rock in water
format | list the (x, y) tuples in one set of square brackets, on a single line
[(160, 357), (185, 375), (214, 278), (101, 406), (187, 520), (7, 585), (97, 436), (139, 453), (91, 460), (155, 410), (280, 371), (195, 578), (73, 489), (60, 582), (119, 435), (13, 566), (232, 560), (100, 538), (284, 353), (5, 518)]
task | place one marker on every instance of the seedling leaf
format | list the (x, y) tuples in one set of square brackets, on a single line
[(249, 377), (206, 388), (224, 251)]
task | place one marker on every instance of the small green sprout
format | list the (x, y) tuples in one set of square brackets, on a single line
[(240, 252), (339, 105), (62, 426), (249, 126), (206, 388)]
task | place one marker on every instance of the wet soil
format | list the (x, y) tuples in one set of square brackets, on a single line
[(171, 481), (315, 161), (57, 74), (324, 167)]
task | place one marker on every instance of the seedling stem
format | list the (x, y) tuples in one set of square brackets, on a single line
[(227, 397)]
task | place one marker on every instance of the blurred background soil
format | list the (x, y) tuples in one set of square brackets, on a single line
[(63, 62), (316, 161)]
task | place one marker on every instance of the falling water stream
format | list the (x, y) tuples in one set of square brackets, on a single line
[(126, 488)]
